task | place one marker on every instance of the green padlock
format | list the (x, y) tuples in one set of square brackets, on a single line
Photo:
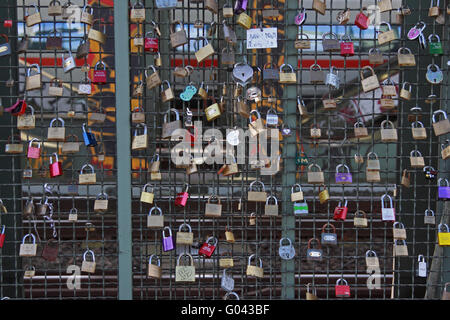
[(435, 47), (302, 159)]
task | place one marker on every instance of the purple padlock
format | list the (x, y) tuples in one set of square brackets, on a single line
[(443, 191), (240, 6), (300, 18), (415, 31), (167, 241), (343, 177)]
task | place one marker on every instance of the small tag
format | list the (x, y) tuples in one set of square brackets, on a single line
[(262, 38)]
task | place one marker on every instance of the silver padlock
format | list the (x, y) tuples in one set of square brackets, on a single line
[(242, 73), (332, 79), (434, 76), (286, 252), (85, 86), (271, 117), (227, 282), (69, 62), (422, 266)]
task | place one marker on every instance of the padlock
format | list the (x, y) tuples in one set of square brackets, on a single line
[(271, 117), (87, 178), (85, 88), (319, 6), (434, 74), (255, 127), (28, 171), (416, 159), (331, 44), (87, 17), (387, 213), (227, 282), (309, 295), (137, 14), (33, 82), (387, 36), (375, 56), (42, 208), (440, 127), (332, 79), (361, 20), (315, 131), (315, 177), (429, 217), (50, 251), (229, 235), (347, 46), (316, 74), (435, 47), (231, 168), (313, 254), (329, 103), (153, 80), (54, 42), (329, 237), (406, 93), (257, 196), (167, 240), (301, 208), (271, 72), (370, 83), (28, 249), (443, 236), (388, 134), (324, 195), (388, 88), (5, 48), (213, 111), (2, 236), (430, 172), (34, 152), (342, 289), (56, 133), (244, 20), (360, 130), (88, 266), (140, 141), (227, 10), (96, 35), (416, 31), (166, 94), (252, 219), (227, 56), (151, 42), (101, 203), (443, 191), (400, 248), (343, 16), (138, 40), (56, 88), (372, 259), (177, 38), (242, 74), (300, 43), (421, 270), (155, 221), (138, 115), (100, 76), (287, 77), (26, 121), (405, 59), (168, 128), (434, 8), (185, 238), (182, 197), (30, 272), (286, 252), (445, 150), (32, 19), (343, 177), (360, 222), (296, 195), (83, 49), (155, 163), (185, 273), (146, 196), (229, 34), (406, 178), (271, 209), (398, 231), (340, 212), (384, 5), (207, 249), (55, 167), (29, 208), (88, 137), (240, 6), (213, 209), (154, 270), (286, 130), (255, 271), (73, 215)]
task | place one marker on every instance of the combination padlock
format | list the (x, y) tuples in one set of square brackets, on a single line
[(207, 249), (430, 172)]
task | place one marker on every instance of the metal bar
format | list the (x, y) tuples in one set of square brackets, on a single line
[(122, 58)]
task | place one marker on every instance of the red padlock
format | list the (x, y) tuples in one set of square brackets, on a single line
[(34, 152), (99, 75), (55, 167), (182, 198), (342, 290), (2, 236), (8, 23), (340, 213), (151, 43), (347, 47), (208, 249), (362, 21)]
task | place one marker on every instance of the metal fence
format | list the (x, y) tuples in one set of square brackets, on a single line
[(122, 241)]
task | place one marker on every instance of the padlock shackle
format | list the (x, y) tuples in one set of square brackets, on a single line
[(151, 258), (443, 179), (214, 239), (314, 165), (371, 253), (326, 225), (414, 124), (149, 67), (399, 224), (410, 89), (172, 26), (446, 227), (139, 125), (372, 153), (429, 211), (88, 6), (180, 229), (185, 254), (102, 195), (390, 200), (231, 293), (439, 112), (254, 256), (342, 165), (213, 196), (51, 157), (390, 123), (91, 252), (400, 50), (361, 72), (331, 34), (296, 185), (31, 5), (33, 140), (386, 23), (341, 280), (73, 210), (177, 115), (29, 235), (87, 165), (316, 240), (357, 212), (359, 124), (257, 181), (271, 197), (163, 233), (33, 66), (144, 188), (420, 258), (415, 154), (428, 168), (283, 239), (288, 65), (57, 119), (433, 35)]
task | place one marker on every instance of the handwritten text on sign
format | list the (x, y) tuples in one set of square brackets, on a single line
[(262, 38)]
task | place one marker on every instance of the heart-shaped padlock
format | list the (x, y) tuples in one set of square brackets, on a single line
[(242, 73)]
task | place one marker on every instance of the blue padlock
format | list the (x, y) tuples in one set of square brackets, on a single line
[(89, 138)]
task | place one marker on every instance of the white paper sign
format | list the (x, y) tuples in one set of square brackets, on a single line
[(262, 38)]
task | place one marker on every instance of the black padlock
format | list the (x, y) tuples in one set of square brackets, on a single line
[(430, 172)]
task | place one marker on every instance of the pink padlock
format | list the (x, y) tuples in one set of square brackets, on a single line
[(342, 290), (55, 167), (151, 43), (208, 249), (2, 236), (182, 198), (34, 152), (8, 23), (100, 75)]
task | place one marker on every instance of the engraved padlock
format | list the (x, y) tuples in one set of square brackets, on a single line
[(332, 79)]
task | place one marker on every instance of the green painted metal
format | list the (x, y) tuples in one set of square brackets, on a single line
[(122, 63)]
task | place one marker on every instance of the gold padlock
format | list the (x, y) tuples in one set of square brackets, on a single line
[(373, 176), (389, 88), (388, 134), (360, 222), (33, 82), (302, 44), (183, 237), (418, 133), (26, 121), (319, 6), (315, 131), (55, 88), (87, 17), (387, 36), (406, 178), (87, 178), (257, 196), (154, 271), (244, 20), (101, 203), (213, 112), (271, 209), (96, 35), (405, 59), (146, 196), (434, 8), (255, 127), (296, 195), (56, 133), (153, 80), (406, 93), (416, 159), (185, 273), (287, 77), (360, 130), (440, 127), (177, 38), (445, 150), (315, 177), (254, 271), (137, 14), (370, 83), (324, 195), (166, 94), (205, 51), (34, 18), (88, 266), (140, 141), (229, 235), (213, 209)]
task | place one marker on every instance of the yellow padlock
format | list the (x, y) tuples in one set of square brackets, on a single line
[(324, 195), (443, 236), (244, 20)]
